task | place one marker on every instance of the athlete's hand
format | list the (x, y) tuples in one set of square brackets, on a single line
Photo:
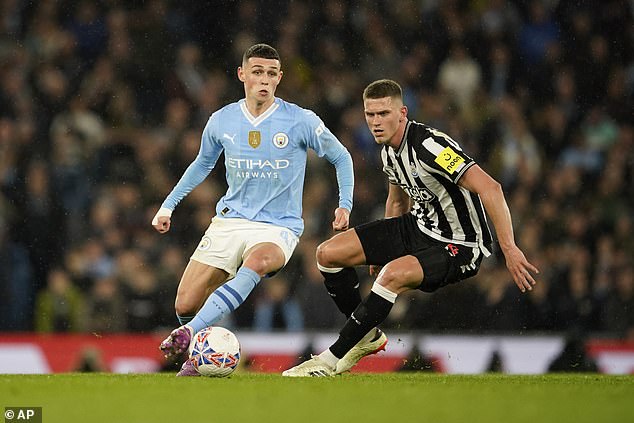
[(162, 220), (342, 219), (520, 268)]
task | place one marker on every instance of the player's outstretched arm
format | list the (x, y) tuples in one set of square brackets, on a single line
[(477, 180), (195, 173)]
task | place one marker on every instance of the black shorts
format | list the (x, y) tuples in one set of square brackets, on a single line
[(443, 263)]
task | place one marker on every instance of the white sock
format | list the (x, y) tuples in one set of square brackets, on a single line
[(329, 269), (329, 358), (382, 291)]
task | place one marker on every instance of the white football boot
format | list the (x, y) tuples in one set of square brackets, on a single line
[(315, 367), (361, 349)]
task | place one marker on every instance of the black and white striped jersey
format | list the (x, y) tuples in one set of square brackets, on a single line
[(427, 166)]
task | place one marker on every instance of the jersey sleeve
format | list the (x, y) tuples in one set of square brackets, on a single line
[(319, 138), (388, 166), (443, 155), (197, 171)]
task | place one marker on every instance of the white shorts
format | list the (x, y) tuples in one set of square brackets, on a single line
[(226, 240)]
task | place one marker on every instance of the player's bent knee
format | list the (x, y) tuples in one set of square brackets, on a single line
[(389, 279), (265, 260), (332, 255), (398, 280), (265, 265), (184, 306), (323, 255)]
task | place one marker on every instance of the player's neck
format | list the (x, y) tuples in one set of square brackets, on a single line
[(397, 138), (256, 108)]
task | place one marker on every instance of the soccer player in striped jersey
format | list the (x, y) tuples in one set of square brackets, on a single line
[(258, 221), (434, 233)]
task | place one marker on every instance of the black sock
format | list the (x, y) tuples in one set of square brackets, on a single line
[(370, 313), (343, 288)]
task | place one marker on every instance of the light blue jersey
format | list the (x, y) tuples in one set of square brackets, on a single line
[(265, 160)]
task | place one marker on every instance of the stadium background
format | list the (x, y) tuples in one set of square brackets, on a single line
[(102, 105)]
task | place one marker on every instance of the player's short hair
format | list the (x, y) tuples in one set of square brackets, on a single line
[(263, 51), (383, 88)]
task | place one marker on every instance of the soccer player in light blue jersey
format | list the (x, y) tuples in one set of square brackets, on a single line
[(258, 221)]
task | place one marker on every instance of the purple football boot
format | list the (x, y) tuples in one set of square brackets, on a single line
[(188, 369), (177, 342)]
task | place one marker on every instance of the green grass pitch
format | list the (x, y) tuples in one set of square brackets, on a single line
[(351, 398)]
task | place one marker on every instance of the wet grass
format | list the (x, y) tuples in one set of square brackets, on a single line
[(392, 397)]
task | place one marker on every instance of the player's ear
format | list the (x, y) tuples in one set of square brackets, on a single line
[(403, 113), (241, 76)]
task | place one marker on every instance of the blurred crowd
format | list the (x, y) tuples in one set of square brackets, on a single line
[(102, 104)]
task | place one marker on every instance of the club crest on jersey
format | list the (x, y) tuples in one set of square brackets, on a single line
[(449, 160), (255, 138), (280, 140), (205, 244), (413, 171)]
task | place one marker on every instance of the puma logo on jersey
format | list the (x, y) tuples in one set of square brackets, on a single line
[(229, 137)]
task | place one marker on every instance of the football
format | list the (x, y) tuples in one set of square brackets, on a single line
[(215, 352)]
